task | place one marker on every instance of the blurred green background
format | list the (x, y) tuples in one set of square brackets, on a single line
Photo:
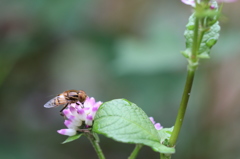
[(113, 49)]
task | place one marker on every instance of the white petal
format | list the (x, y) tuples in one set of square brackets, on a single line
[(68, 132)]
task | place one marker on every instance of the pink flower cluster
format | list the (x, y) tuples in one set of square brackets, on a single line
[(157, 126), (192, 2), (79, 115)]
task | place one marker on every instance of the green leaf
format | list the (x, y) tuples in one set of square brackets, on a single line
[(124, 121), (209, 39), (72, 138), (165, 133), (210, 32)]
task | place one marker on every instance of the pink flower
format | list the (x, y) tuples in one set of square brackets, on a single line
[(189, 2), (156, 125), (79, 116), (226, 1), (192, 2), (68, 132)]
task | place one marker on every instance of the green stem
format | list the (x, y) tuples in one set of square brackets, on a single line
[(135, 151), (164, 156), (182, 108), (96, 146), (194, 58), (193, 63)]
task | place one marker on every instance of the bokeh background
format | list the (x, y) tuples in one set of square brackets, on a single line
[(113, 49)]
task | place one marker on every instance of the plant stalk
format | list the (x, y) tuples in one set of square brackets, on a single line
[(192, 65), (195, 41), (182, 108), (164, 156), (96, 146), (135, 151)]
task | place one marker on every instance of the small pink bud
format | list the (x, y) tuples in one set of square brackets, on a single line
[(152, 120), (68, 132), (158, 126)]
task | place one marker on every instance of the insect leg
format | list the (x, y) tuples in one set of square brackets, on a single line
[(63, 109)]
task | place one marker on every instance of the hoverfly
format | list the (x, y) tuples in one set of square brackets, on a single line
[(67, 97)]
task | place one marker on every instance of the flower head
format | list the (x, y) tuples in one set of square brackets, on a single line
[(192, 2), (79, 116), (157, 126)]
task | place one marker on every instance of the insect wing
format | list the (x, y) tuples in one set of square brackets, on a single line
[(51, 103)]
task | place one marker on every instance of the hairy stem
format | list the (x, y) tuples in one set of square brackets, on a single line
[(182, 108), (96, 146)]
